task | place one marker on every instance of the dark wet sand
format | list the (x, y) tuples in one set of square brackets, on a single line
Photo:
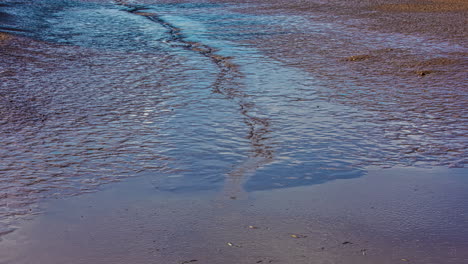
[(388, 216)]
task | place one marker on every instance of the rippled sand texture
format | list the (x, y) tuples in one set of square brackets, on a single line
[(209, 96), (414, 85), (87, 105), (66, 129)]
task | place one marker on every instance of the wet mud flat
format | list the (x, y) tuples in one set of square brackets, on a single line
[(238, 138)]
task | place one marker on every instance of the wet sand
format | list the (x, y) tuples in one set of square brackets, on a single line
[(427, 6), (4, 37), (388, 216), (402, 215), (407, 64), (439, 20), (442, 18)]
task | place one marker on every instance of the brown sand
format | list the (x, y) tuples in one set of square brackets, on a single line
[(4, 37), (426, 6), (443, 18)]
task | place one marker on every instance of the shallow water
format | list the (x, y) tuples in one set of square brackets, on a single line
[(188, 95)]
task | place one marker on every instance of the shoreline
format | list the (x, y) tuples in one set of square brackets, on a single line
[(397, 215)]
